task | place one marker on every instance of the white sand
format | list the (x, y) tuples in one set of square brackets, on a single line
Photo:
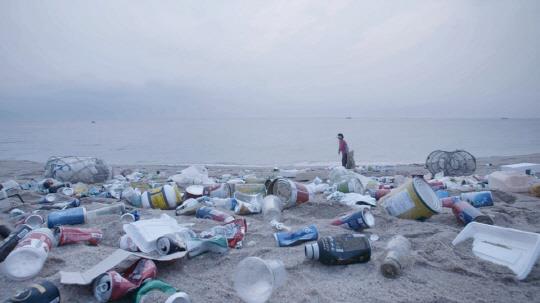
[(441, 272)]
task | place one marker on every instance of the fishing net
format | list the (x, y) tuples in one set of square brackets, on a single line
[(77, 169), (456, 163)]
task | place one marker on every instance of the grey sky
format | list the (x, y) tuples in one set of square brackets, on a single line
[(103, 59)]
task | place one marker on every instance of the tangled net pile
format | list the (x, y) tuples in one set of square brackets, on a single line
[(456, 163), (77, 169)]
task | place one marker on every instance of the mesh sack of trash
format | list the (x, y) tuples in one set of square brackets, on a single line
[(455, 163), (77, 169)]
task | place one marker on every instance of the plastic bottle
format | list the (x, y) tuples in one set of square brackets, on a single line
[(9, 243), (28, 257), (225, 203), (115, 209), (340, 250), (396, 257)]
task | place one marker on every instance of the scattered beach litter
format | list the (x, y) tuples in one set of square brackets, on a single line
[(64, 211)]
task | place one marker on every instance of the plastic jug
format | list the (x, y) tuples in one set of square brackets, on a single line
[(28, 257)]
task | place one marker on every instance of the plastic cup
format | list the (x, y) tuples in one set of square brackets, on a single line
[(34, 220), (254, 279), (179, 297)]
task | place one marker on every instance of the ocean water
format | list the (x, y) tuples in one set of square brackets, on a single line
[(301, 141)]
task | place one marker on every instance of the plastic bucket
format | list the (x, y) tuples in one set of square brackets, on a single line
[(290, 192), (352, 185), (165, 197), (413, 200)]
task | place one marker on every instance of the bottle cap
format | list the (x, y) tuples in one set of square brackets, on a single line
[(312, 251), (390, 267), (368, 217)]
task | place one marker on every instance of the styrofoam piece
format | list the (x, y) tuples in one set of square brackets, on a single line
[(144, 233), (521, 167), (510, 181), (515, 249)]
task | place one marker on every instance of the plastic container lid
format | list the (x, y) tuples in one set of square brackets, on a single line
[(311, 251), (196, 190), (427, 195)]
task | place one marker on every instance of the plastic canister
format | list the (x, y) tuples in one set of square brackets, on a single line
[(71, 216), (413, 200), (28, 257), (340, 249), (165, 197)]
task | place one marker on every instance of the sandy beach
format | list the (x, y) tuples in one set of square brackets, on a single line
[(440, 273)]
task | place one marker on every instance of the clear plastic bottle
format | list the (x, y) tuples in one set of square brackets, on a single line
[(115, 209), (225, 203), (396, 257)]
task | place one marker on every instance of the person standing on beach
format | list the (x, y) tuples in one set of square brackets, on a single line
[(343, 149)]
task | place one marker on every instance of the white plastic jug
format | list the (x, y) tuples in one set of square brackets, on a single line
[(29, 256)]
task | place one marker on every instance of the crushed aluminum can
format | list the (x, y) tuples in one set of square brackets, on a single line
[(72, 235), (357, 220), (170, 244), (309, 233), (112, 286)]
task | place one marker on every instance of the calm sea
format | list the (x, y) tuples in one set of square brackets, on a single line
[(305, 141)]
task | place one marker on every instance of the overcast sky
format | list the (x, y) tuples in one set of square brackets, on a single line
[(103, 59)]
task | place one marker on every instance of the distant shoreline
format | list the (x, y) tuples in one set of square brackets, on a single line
[(481, 161)]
